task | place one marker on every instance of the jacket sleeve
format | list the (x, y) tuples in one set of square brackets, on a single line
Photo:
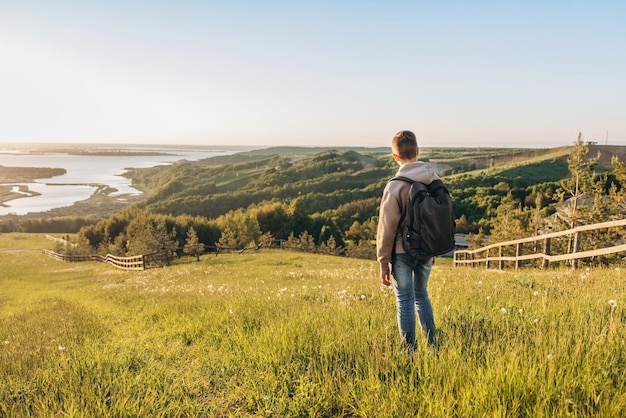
[(388, 222)]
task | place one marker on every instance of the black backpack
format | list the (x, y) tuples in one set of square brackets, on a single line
[(428, 226)]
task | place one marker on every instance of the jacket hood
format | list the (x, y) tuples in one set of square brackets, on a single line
[(418, 171)]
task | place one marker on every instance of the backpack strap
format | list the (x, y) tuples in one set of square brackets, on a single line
[(404, 210)]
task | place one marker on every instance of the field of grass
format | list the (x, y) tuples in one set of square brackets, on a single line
[(283, 334)]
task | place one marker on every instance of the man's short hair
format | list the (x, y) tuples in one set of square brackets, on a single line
[(405, 144)]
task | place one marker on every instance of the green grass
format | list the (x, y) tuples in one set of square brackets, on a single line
[(275, 333)]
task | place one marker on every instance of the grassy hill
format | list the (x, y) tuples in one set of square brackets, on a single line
[(327, 178), (214, 186), (276, 333)]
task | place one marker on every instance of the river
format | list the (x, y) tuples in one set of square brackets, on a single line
[(84, 173)]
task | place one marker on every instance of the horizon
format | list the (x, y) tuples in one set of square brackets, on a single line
[(528, 75), (7, 146)]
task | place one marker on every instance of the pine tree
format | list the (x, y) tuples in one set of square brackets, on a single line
[(228, 240), (192, 244), (581, 182), (141, 236)]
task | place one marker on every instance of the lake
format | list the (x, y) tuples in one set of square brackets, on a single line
[(84, 174)]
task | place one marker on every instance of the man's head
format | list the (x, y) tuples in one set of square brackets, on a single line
[(404, 146)]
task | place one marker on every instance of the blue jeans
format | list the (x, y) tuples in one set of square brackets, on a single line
[(410, 287)]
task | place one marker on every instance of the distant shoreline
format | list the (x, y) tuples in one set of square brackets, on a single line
[(9, 175), (105, 153)]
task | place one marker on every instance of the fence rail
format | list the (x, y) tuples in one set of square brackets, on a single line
[(544, 248)]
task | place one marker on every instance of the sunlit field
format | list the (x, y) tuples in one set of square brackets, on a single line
[(273, 333)]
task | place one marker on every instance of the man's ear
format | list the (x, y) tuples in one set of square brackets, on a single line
[(396, 156)]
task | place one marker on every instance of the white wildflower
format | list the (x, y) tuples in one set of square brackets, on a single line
[(488, 297), (535, 293), (536, 321), (521, 311), (503, 310), (613, 303), (61, 347), (6, 342), (549, 357)]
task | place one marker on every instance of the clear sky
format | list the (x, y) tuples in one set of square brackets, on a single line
[(346, 73)]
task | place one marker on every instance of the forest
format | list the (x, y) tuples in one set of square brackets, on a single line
[(328, 198)]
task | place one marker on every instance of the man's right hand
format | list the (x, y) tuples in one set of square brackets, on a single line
[(385, 274)]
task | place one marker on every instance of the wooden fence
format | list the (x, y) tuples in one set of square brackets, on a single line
[(138, 262), (573, 245), (126, 263)]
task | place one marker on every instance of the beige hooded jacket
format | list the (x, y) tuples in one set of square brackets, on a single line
[(393, 205)]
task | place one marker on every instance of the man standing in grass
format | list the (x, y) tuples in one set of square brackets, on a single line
[(410, 276)]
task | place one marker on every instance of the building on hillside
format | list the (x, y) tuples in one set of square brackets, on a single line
[(460, 242)]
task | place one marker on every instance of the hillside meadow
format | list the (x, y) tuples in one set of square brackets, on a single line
[(273, 333)]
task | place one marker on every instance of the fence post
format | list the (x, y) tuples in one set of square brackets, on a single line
[(518, 253), (500, 262), (575, 249), (487, 260), (546, 251)]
